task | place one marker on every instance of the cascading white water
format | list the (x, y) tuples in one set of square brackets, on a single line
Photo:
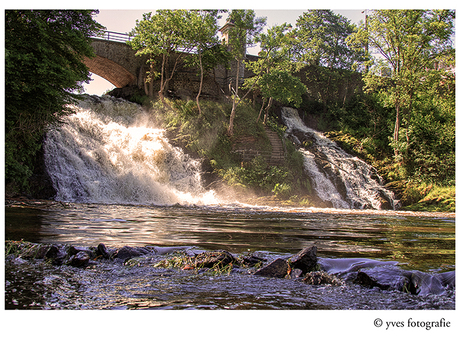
[(110, 151), (338, 177)]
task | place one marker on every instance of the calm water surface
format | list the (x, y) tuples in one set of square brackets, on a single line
[(419, 242)]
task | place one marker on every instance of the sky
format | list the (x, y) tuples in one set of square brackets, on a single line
[(124, 20)]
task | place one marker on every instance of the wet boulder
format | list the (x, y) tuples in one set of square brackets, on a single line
[(128, 252), (56, 254), (305, 260), (278, 268), (213, 258), (102, 251), (73, 250), (385, 278), (80, 259)]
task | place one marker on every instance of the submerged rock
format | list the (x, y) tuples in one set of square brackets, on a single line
[(447, 279), (128, 252), (424, 284), (384, 278), (252, 260), (321, 277), (415, 282)]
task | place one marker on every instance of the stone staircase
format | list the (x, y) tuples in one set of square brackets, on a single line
[(277, 155), (247, 151)]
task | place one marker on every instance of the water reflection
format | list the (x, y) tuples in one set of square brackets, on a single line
[(423, 243)]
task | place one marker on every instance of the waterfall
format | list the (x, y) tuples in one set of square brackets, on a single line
[(110, 151), (339, 178)]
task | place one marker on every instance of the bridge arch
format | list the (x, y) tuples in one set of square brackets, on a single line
[(110, 70), (115, 61)]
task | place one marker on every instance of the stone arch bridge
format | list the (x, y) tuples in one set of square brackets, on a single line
[(115, 61)]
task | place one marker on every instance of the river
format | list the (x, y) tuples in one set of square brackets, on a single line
[(416, 241)]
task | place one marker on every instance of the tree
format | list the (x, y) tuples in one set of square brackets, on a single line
[(202, 33), (245, 27), (408, 43), (44, 51), (321, 40), (320, 47), (162, 35), (273, 69)]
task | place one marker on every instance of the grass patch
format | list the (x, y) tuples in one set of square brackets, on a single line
[(430, 197)]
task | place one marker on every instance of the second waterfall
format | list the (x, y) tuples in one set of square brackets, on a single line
[(338, 178)]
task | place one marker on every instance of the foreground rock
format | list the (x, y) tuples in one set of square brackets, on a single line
[(128, 252), (304, 266), (278, 268), (297, 265), (213, 259), (305, 260)]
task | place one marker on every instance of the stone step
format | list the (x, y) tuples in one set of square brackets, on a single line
[(277, 156)]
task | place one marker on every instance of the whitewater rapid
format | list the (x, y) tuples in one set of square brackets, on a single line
[(338, 177), (110, 151)]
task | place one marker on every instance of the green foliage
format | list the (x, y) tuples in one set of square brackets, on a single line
[(283, 87), (321, 40), (246, 26), (409, 42), (257, 174), (44, 53), (179, 32)]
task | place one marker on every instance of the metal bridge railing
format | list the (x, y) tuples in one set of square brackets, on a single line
[(114, 36)]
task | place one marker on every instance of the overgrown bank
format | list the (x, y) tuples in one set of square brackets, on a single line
[(204, 135), (251, 178)]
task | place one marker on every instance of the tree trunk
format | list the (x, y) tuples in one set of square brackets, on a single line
[(270, 100), (233, 113), (261, 109), (201, 86), (162, 84), (396, 132)]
